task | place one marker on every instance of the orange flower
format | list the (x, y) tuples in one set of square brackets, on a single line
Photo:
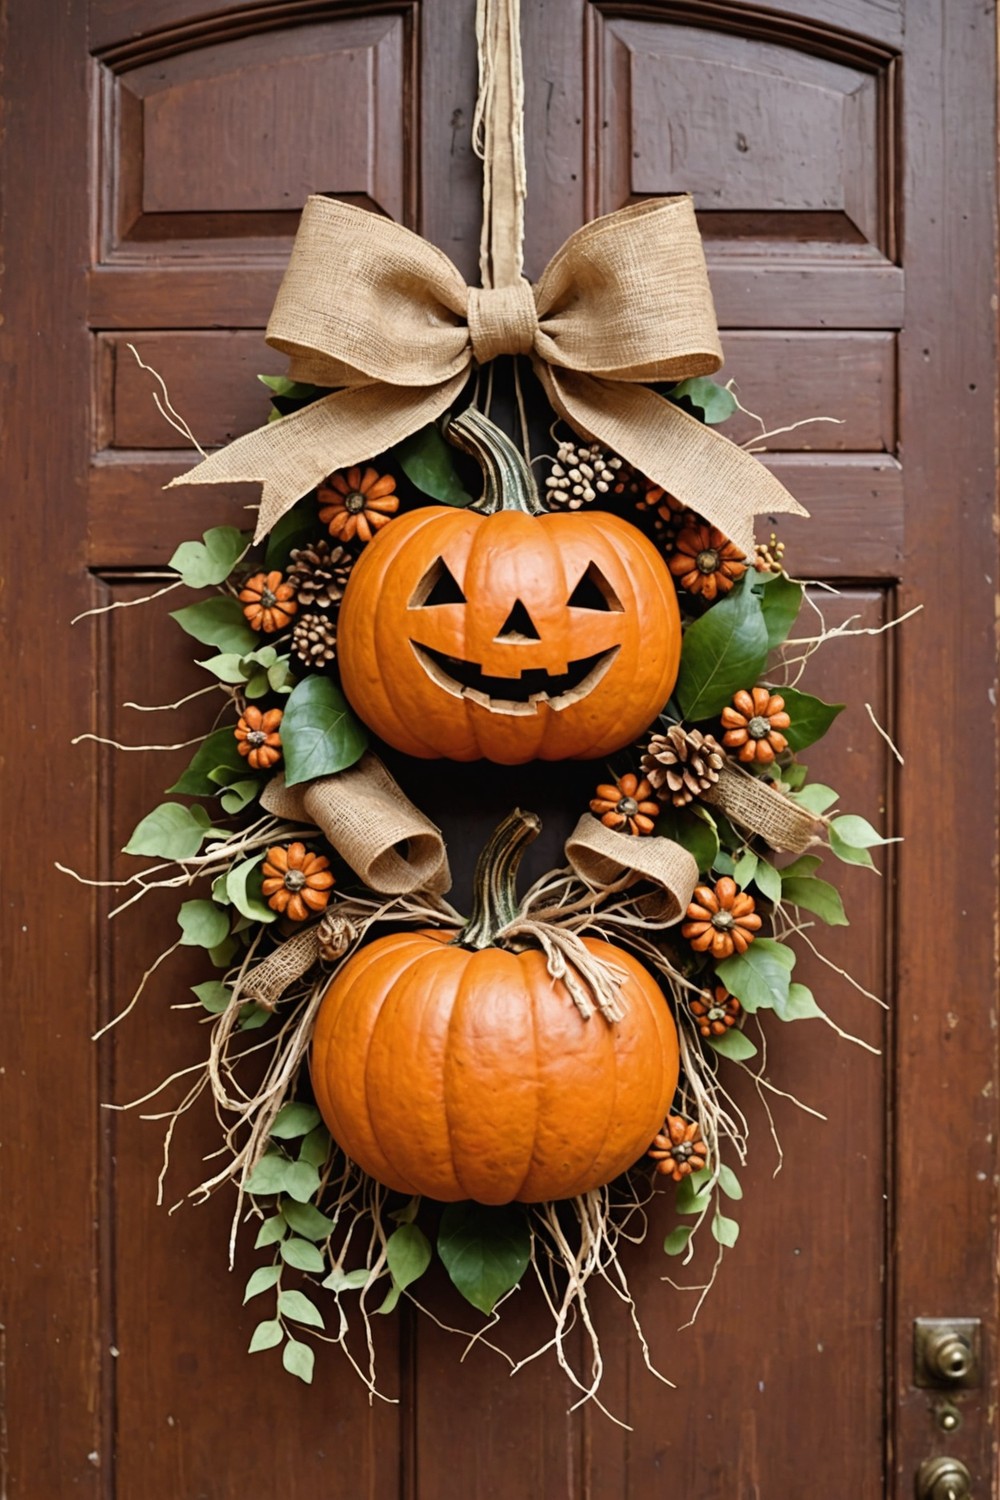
[(722, 919), (296, 882), (628, 804), (268, 602), (258, 738), (715, 1013), (705, 562), (353, 504), (679, 1150), (754, 723)]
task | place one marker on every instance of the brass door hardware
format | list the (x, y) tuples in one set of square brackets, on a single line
[(946, 1352), (943, 1479)]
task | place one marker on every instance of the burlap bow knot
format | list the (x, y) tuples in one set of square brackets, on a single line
[(372, 310)]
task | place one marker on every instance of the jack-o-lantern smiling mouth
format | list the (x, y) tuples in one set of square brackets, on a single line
[(515, 695)]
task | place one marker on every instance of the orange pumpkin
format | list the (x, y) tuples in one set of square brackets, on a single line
[(450, 1066), (506, 632)]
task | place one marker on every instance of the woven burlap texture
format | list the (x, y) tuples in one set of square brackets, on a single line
[(601, 857), (372, 824), (268, 980), (761, 809)]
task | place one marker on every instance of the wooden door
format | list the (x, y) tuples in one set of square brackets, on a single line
[(155, 155)]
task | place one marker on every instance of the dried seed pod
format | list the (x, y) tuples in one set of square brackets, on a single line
[(580, 474), (705, 562), (722, 921), (682, 763), (257, 737), (679, 1149), (753, 725), (356, 504), (268, 602), (715, 1011), (335, 934), (626, 805), (296, 882)]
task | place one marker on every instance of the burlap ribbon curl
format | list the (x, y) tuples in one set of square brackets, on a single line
[(371, 308), (602, 857)]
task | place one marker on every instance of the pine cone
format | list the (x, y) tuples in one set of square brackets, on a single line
[(682, 764), (580, 474), (319, 574), (335, 934), (314, 640)]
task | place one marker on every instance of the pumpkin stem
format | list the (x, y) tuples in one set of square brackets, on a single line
[(508, 482), (494, 885)]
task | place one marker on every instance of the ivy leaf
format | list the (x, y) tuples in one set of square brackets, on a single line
[(214, 995), (212, 559), (302, 1255), (429, 463), (319, 733), (408, 1252), (817, 896), (801, 1005), (810, 717), (722, 652), (270, 1232), (266, 1335), (217, 622), (806, 864), (815, 797), (299, 1359), (759, 977), (780, 602), (221, 955), (293, 1120), (392, 1297), (714, 401), (725, 1231), (238, 796), (218, 750), (745, 869), (316, 1147), (202, 924), (243, 887), (307, 1220), (767, 880), (691, 1195), (270, 1175), (262, 1280), (694, 830), (734, 1045), (296, 1305), (301, 1181), (227, 667), (485, 1250), (347, 1281), (170, 831), (858, 832), (730, 1183), (676, 1240)]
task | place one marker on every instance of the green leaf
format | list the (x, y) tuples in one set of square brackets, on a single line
[(297, 1306), (307, 1220), (294, 1119), (292, 390), (212, 559), (347, 1281), (745, 868), (298, 1359), (239, 795), (485, 1250), (217, 622), (714, 401), (266, 1335), (243, 887), (214, 995), (692, 1196), (817, 896), (801, 1005), (730, 1183), (767, 880), (407, 1213), (734, 1045), (270, 1232), (848, 853), (316, 1147), (257, 686), (262, 1280), (780, 601), (221, 955), (793, 776), (296, 528), (694, 829), (815, 797), (725, 1231), (722, 652), (408, 1252), (170, 831), (810, 716), (227, 667), (252, 1016), (301, 1181), (392, 1296), (218, 750), (759, 977), (302, 1255), (806, 864), (202, 924), (270, 1175), (319, 733), (676, 1240), (858, 832), (429, 463)]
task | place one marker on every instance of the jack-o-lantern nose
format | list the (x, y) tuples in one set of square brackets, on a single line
[(518, 625)]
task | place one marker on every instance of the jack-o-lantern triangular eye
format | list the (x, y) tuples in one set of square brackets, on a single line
[(595, 592), (437, 586)]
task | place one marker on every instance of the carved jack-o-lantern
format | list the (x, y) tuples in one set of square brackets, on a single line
[(505, 632)]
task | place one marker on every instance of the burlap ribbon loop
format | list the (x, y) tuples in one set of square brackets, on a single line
[(601, 856), (387, 841), (502, 320), (759, 808), (372, 309)]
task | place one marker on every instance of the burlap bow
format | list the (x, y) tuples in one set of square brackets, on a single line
[(372, 309)]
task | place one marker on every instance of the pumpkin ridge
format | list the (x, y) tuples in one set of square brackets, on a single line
[(385, 1017)]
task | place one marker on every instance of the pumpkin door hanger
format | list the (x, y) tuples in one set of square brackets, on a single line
[(506, 632)]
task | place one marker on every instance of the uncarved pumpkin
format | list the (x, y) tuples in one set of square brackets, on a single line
[(448, 1066), (504, 631)]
